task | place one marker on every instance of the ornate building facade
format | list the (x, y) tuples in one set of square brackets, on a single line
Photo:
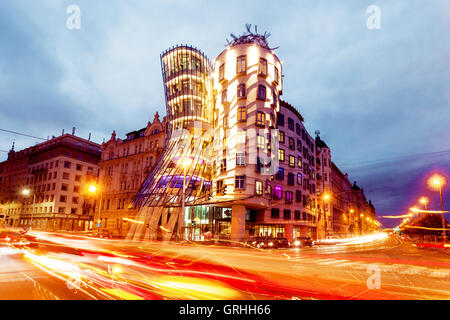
[(124, 166), (46, 186)]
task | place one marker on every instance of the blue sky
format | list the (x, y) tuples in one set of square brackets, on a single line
[(380, 98)]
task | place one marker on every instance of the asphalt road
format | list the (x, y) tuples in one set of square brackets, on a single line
[(66, 266)]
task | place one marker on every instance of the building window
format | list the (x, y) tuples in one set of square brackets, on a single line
[(239, 182), (275, 213), (242, 114), (62, 199), (298, 129), (241, 91), (280, 174), (262, 66), (259, 188), (274, 98), (299, 162), (297, 215), (299, 145), (75, 200), (291, 179), (280, 120), (260, 118), (76, 189), (64, 187), (241, 64), (278, 192), (281, 154), (299, 179), (261, 142), (67, 164), (79, 167), (286, 213), (281, 136), (224, 96), (277, 75), (298, 196), (262, 92), (222, 72), (292, 161), (240, 159), (291, 124), (291, 143)]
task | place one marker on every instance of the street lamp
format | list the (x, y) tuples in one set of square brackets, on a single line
[(437, 181), (26, 193), (93, 189), (424, 201)]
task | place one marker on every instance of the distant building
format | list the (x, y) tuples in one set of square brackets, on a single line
[(124, 166), (56, 174)]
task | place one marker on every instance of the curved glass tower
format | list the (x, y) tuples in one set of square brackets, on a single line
[(187, 157)]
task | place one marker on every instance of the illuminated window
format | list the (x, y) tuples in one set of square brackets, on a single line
[(261, 92), (260, 118), (289, 200), (242, 114), (281, 136), (259, 188), (280, 174), (278, 192), (240, 159), (263, 67), (292, 161), (239, 182), (241, 64), (299, 163), (222, 72), (261, 142), (185, 84), (299, 179), (281, 154), (241, 91)]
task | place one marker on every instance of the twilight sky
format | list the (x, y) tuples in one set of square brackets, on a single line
[(381, 98)]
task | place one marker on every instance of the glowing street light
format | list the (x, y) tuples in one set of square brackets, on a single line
[(424, 201), (437, 181), (93, 189), (26, 193)]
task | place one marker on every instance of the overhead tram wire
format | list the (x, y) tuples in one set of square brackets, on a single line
[(23, 134)]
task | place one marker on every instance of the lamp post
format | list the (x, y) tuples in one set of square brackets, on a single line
[(93, 189), (437, 181), (27, 192), (424, 201)]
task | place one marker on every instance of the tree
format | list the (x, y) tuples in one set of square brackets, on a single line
[(427, 221)]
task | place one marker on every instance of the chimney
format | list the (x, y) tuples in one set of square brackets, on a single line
[(89, 139), (73, 131), (62, 132)]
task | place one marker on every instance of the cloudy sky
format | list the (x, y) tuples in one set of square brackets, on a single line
[(380, 98)]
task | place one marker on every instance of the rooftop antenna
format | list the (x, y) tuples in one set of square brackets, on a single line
[(89, 139), (317, 133)]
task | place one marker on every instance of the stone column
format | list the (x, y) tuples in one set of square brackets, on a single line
[(237, 223)]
